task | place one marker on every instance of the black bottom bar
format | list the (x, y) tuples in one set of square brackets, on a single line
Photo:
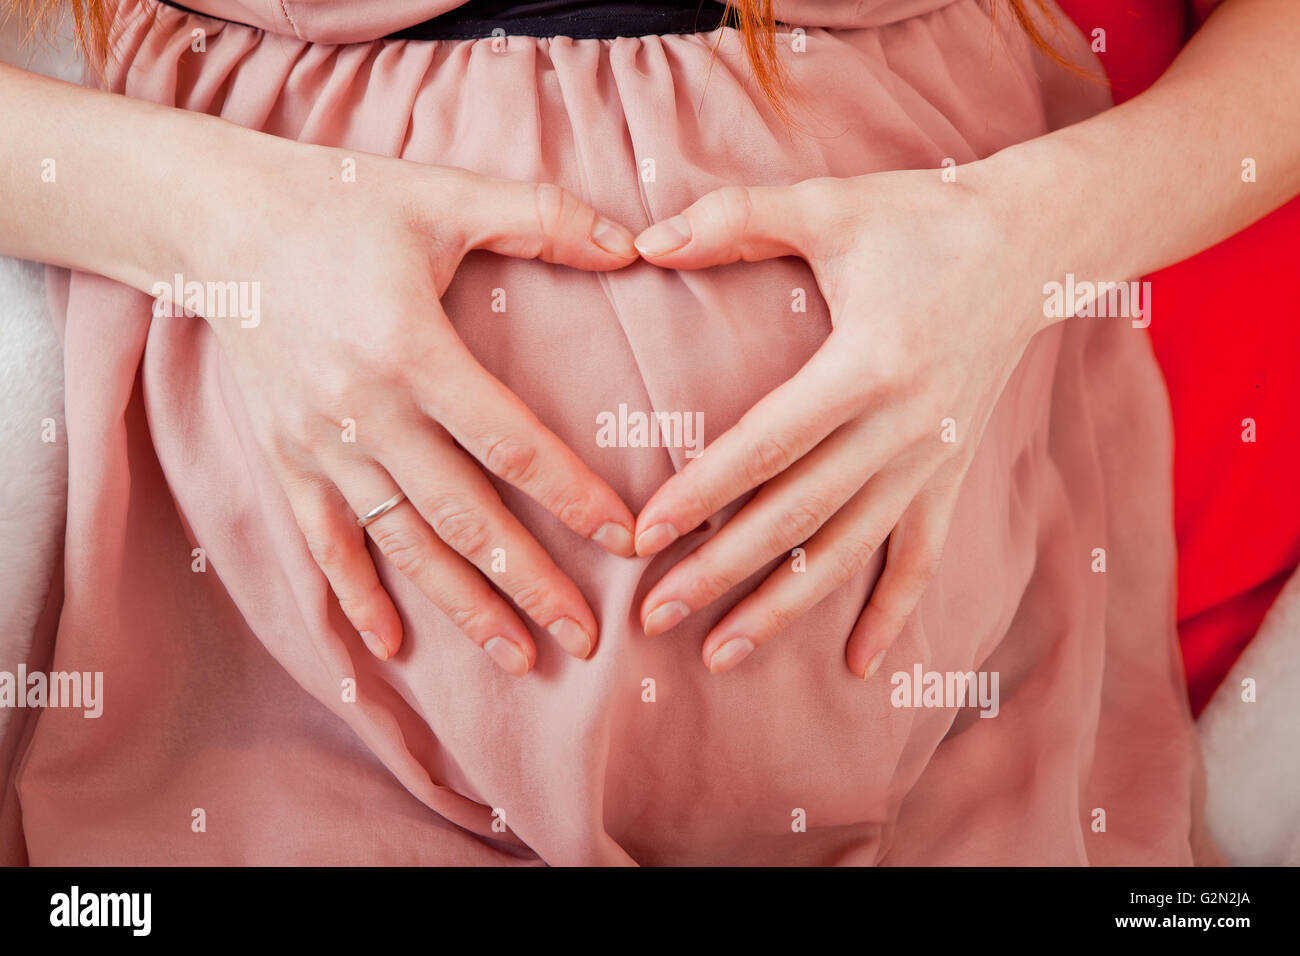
[(925, 906)]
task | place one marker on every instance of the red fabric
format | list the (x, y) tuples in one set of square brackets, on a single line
[(1226, 330)]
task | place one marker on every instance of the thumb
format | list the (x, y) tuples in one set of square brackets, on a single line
[(541, 221), (727, 225)]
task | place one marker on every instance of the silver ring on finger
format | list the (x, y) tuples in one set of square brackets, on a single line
[(378, 512)]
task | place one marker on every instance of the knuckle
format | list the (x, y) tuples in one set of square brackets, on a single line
[(857, 551), (511, 459), (821, 229), (574, 509), (901, 596), (692, 503), (335, 389), (355, 603), (437, 388), (298, 427), (823, 195), (534, 599), (326, 549), (554, 206), (405, 550), (922, 566), (885, 601), (779, 617), (765, 457), (427, 360), (384, 352), (453, 190), (460, 526), (475, 621), (708, 584), (446, 212), (283, 451), (796, 526), (733, 206)]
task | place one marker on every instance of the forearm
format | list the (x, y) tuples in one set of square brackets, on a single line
[(1160, 177), (111, 185)]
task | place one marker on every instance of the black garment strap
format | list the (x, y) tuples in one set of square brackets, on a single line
[(579, 19)]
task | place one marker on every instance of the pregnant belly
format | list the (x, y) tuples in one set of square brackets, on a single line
[(639, 753)]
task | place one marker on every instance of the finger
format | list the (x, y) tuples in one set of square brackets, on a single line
[(840, 550), (912, 560), (541, 221), (786, 512), (338, 547), (730, 224), (489, 421), (775, 433), (453, 586), (458, 502)]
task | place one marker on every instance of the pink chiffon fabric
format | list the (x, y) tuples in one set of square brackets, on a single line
[(225, 690)]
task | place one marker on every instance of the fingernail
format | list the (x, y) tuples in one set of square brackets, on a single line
[(666, 615), (664, 237), (613, 239), (508, 656), (376, 646), (873, 665), (654, 540), (615, 539), (730, 654), (572, 637)]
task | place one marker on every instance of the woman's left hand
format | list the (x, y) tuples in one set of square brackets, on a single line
[(932, 303)]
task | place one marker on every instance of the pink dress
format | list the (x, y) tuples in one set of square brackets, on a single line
[(224, 690)]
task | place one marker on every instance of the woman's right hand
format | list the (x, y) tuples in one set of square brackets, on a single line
[(351, 328)]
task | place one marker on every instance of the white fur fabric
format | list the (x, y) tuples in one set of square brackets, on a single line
[(1252, 749), (33, 472)]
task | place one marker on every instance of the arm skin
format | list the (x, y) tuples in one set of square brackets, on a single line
[(123, 198), (896, 256), (1158, 178)]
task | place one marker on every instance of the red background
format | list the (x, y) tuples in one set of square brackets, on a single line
[(1226, 330)]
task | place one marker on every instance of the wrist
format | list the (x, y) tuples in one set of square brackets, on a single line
[(1053, 213), (244, 200), (217, 191)]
